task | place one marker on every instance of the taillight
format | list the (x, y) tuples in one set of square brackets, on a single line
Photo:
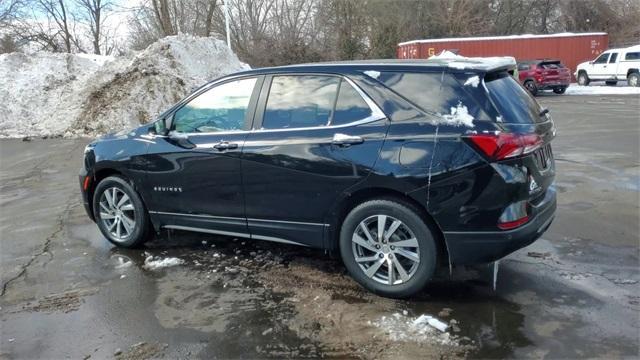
[(506, 145)]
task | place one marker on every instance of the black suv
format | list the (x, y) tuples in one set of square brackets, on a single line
[(399, 166)]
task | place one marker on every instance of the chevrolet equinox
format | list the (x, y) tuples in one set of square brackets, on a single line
[(398, 166)]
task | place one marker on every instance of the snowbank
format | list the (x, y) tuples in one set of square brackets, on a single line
[(575, 89), (69, 95)]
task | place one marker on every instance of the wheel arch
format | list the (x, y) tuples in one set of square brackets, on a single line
[(351, 200), (632, 71)]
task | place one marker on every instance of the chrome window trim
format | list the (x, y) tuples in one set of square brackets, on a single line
[(376, 114)]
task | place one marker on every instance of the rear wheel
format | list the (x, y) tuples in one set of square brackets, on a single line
[(611, 82), (388, 248), (531, 86), (633, 79), (560, 89), (583, 79), (120, 213)]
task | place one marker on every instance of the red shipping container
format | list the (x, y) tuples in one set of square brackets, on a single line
[(570, 48)]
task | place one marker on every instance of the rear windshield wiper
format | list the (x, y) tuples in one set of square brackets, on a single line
[(544, 112)]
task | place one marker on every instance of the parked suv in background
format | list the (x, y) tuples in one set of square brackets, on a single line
[(538, 75), (612, 66), (399, 166)]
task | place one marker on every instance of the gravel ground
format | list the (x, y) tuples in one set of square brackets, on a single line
[(66, 292)]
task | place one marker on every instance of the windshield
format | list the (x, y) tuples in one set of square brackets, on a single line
[(514, 103)]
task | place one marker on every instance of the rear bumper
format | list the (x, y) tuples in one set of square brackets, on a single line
[(472, 247)]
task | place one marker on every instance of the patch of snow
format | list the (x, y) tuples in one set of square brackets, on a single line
[(459, 116), (151, 263), (575, 89), (424, 328), (472, 81), (51, 94), (372, 73), (455, 61), (506, 37)]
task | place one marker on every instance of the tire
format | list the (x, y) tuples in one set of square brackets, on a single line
[(583, 79), (127, 218), (412, 230), (560, 90), (611, 82), (633, 79), (531, 86)]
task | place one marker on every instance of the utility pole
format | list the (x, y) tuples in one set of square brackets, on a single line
[(226, 20)]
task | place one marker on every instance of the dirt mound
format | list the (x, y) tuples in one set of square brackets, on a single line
[(78, 95)]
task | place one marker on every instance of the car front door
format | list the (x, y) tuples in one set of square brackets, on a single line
[(194, 173), (612, 67), (314, 136), (599, 67)]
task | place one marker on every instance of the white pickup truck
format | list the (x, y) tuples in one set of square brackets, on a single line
[(612, 66)]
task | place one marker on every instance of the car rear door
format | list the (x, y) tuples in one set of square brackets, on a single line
[(194, 173), (315, 135)]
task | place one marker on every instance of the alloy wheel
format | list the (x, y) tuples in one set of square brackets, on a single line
[(386, 249), (117, 213)]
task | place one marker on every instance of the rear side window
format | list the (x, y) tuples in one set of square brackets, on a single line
[(514, 103), (632, 56), (438, 93), (613, 58), (350, 106), (522, 67), (300, 101)]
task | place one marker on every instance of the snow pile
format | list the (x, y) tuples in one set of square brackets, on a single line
[(73, 95), (575, 89), (424, 328), (151, 263), (455, 61), (473, 81), (459, 116)]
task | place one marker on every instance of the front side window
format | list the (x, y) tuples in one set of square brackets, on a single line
[(602, 59), (221, 108), (614, 57), (299, 101)]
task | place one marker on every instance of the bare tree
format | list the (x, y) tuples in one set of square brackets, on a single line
[(93, 13), (57, 11)]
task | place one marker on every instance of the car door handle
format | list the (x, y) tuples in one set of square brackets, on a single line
[(346, 140), (225, 145)]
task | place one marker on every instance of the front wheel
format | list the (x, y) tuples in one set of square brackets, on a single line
[(583, 79), (120, 213), (560, 90), (633, 79), (388, 248)]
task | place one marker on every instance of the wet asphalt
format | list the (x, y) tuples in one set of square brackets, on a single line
[(67, 293)]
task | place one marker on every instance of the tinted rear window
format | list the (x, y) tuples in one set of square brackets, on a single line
[(514, 103)]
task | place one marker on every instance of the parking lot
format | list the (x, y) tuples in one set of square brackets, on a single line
[(66, 292)]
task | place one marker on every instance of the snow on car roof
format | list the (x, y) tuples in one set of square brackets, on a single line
[(506, 37)]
